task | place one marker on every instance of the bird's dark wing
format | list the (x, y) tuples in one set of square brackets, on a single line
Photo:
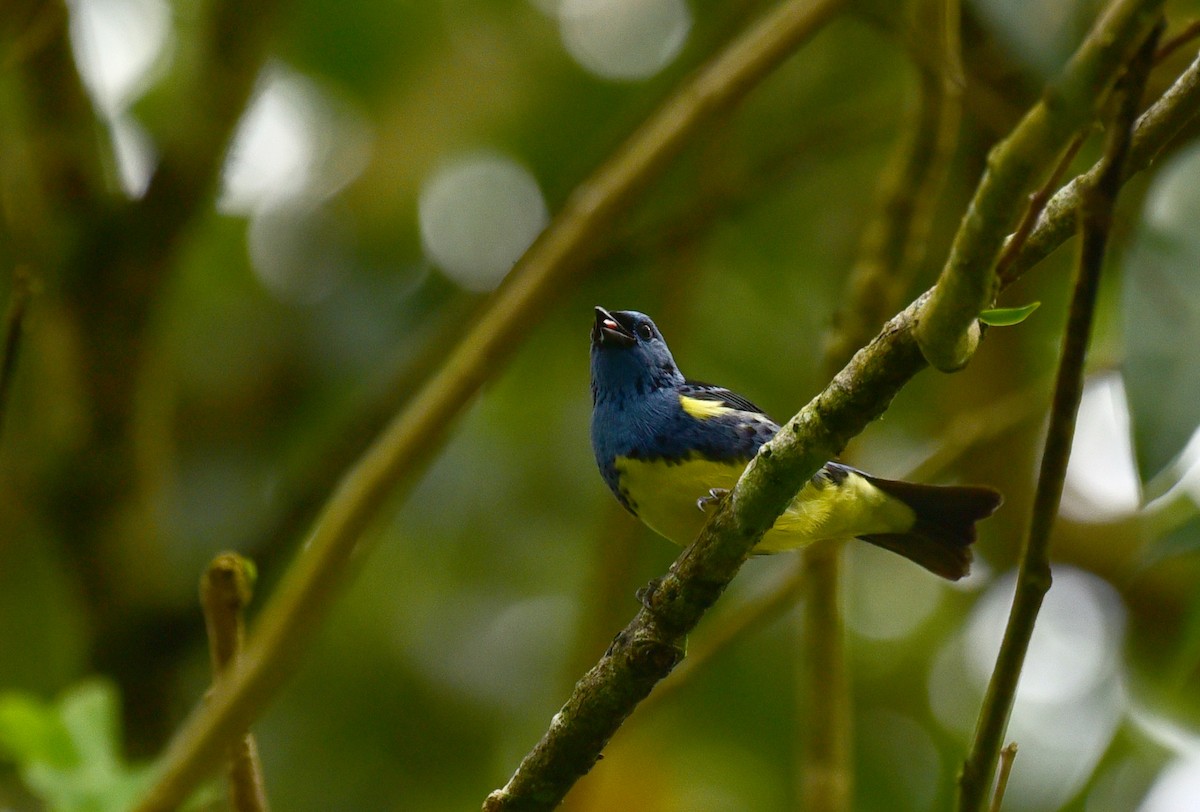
[(706, 391)]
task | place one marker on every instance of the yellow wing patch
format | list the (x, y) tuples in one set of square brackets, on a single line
[(703, 409)]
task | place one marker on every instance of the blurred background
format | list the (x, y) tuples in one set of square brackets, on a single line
[(392, 162)]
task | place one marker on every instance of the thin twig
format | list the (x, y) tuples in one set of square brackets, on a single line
[(314, 580), (1007, 756), (1169, 46), (14, 331), (949, 331), (1037, 203), (1156, 128), (1033, 577), (1015, 244), (225, 590)]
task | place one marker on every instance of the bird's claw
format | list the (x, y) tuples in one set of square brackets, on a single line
[(714, 495), (645, 595)]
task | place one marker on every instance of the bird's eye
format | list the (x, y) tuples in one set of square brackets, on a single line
[(646, 331)]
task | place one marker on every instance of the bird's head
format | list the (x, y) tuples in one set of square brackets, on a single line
[(629, 354)]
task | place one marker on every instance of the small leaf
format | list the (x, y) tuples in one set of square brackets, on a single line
[(1008, 316)]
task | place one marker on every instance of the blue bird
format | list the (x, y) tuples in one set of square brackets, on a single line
[(669, 447)]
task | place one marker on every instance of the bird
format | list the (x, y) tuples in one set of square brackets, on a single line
[(670, 447)]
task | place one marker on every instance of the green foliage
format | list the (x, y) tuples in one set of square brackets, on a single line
[(1161, 301), (69, 752), (216, 401)]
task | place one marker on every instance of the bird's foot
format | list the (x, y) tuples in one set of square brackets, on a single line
[(646, 593), (714, 495)]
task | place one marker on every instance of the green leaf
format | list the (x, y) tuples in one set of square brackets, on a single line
[(30, 731), (69, 753), (1008, 316), (1161, 306)]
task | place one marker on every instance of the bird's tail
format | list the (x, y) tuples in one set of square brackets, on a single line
[(941, 536)]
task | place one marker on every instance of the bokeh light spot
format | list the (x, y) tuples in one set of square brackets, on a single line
[(119, 45), (477, 216), (297, 252), (116, 44), (1177, 788), (136, 154), (1074, 646), (1102, 482), (1071, 695), (1174, 197), (624, 39), (294, 144)]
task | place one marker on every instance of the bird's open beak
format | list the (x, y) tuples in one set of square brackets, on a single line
[(608, 330)]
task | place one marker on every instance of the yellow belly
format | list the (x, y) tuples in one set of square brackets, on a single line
[(664, 497)]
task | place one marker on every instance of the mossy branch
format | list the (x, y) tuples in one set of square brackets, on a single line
[(313, 582), (948, 330), (1033, 576), (962, 436)]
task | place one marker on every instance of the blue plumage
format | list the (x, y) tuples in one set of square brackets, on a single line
[(637, 412), (663, 442)]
